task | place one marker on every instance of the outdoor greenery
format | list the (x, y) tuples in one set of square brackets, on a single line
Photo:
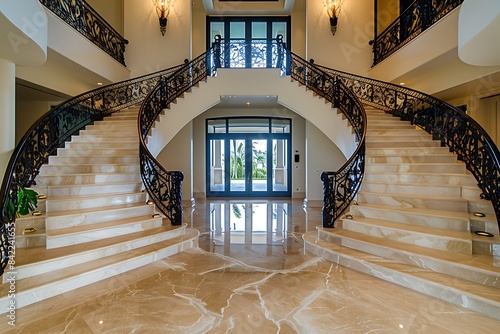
[(259, 169)]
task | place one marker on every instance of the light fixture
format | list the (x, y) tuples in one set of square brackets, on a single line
[(484, 234), (333, 8), (479, 214), (163, 9)]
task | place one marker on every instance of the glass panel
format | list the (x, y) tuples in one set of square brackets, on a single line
[(249, 125), (216, 28), (259, 165), (216, 126), (237, 226), (237, 167), (280, 125), (259, 224), (279, 28), (217, 177), (280, 169), (280, 222), (259, 48), (237, 49)]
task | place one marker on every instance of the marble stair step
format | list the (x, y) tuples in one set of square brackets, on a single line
[(31, 262), (418, 188), (387, 121), (24, 222), (43, 286), (486, 245), (125, 117), (452, 168), (79, 217), (88, 178), (57, 204), (480, 205), (477, 268), (424, 236), (407, 151), (402, 143), (107, 188), (396, 132), (410, 200), (446, 220), (108, 134), (107, 152), (89, 233), (113, 126), (382, 126), (100, 145), (99, 139), (431, 178), (411, 136), (475, 296), (411, 158), (471, 191), (35, 239), (99, 160), (97, 168)]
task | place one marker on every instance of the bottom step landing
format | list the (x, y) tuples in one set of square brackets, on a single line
[(472, 282), (56, 274)]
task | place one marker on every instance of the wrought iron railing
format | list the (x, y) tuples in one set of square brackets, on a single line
[(56, 127), (165, 187), (84, 19), (453, 127), (419, 16), (341, 186)]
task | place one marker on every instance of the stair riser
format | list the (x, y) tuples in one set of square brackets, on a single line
[(396, 144), (410, 159), (413, 219), (411, 189), (129, 135), (420, 178), (97, 152), (416, 168), (31, 241), (89, 236), (81, 190), (57, 222), (397, 138), (112, 126), (413, 202), (24, 298), (94, 202), (482, 206), (87, 179), (472, 192), (390, 127), (422, 151), (99, 145), (94, 139), (424, 240), (58, 160), (448, 268), (30, 222), (47, 170)]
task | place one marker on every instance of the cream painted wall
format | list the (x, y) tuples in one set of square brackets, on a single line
[(348, 50), (27, 112), (387, 12), (322, 155), (148, 51), (199, 144), (111, 11), (298, 29), (176, 156), (199, 29)]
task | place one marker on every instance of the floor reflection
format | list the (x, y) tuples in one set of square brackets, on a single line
[(265, 233)]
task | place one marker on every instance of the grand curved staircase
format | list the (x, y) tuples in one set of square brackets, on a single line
[(96, 221), (413, 219)]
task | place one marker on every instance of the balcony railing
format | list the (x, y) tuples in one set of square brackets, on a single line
[(84, 19), (419, 16)]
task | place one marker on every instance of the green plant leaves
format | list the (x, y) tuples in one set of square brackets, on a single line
[(27, 200)]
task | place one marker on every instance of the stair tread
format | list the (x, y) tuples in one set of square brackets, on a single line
[(93, 210), (80, 197), (418, 211), (98, 184), (417, 196), (29, 256), (436, 232), (482, 291), (98, 226), (423, 184), (87, 267)]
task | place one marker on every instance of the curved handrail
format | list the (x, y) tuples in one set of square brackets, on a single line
[(55, 127), (163, 186), (453, 127), (85, 19), (341, 186)]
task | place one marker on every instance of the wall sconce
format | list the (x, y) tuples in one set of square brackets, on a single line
[(333, 9), (163, 9)]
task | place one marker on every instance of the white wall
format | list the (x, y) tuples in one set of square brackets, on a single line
[(148, 51), (176, 156), (348, 50), (322, 155)]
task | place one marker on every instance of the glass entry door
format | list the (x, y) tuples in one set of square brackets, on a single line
[(248, 164)]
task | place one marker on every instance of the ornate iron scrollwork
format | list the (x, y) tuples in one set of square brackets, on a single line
[(454, 128), (419, 16), (84, 19)]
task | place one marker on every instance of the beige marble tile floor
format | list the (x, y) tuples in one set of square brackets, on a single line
[(230, 285)]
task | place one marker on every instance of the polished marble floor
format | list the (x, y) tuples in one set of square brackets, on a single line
[(249, 275)]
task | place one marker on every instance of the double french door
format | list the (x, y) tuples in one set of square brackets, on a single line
[(248, 164)]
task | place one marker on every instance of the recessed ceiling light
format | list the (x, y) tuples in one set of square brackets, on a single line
[(248, 103), (99, 84), (402, 83)]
